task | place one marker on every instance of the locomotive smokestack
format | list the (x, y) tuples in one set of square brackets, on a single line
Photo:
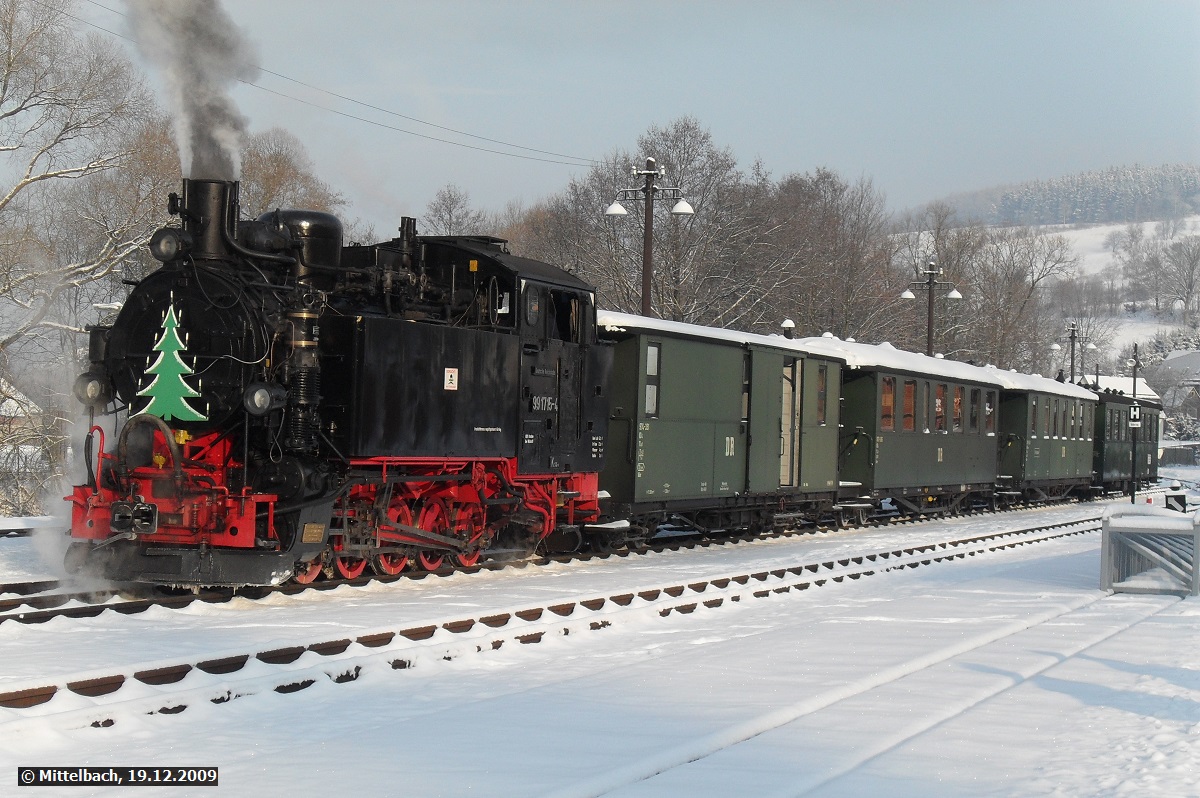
[(210, 212), (202, 54)]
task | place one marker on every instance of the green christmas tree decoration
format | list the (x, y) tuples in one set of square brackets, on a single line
[(168, 392)]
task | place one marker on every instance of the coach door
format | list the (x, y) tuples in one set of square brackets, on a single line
[(791, 386), (761, 413)]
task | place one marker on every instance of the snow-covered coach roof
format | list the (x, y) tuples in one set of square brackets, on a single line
[(623, 322), (1125, 386), (1016, 381), (855, 355), (887, 357)]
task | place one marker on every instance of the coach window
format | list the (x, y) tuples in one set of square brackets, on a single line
[(1054, 425), (822, 392), (910, 406), (887, 418), (989, 413), (939, 408), (1087, 425), (1046, 419), (976, 395), (653, 351), (746, 388), (1033, 417), (958, 408), (1063, 426), (925, 407)]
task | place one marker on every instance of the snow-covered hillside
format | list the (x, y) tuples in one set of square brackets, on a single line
[(1090, 246), (1089, 241)]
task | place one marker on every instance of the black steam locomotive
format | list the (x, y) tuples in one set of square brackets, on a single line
[(297, 407)]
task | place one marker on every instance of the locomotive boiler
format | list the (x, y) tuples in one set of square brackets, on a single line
[(288, 406)]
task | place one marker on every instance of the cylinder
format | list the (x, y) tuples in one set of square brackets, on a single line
[(319, 236)]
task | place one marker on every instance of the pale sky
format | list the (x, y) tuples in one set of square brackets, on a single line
[(924, 98)]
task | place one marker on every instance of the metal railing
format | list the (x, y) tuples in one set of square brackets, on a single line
[(1150, 550)]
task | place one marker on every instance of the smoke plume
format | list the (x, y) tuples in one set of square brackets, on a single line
[(202, 55)]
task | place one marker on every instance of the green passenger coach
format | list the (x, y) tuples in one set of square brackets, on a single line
[(916, 430), (1047, 435), (1114, 448), (715, 429)]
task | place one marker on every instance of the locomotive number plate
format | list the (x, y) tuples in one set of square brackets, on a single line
[(313, 533)]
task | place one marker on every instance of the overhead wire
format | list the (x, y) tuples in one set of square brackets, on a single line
[(571, 160)]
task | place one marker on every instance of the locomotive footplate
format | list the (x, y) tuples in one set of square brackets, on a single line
[(178, 566)]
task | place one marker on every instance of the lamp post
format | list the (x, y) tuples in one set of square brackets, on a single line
[(1133, 438), (1073, 335), (931, 283), (652, 175)]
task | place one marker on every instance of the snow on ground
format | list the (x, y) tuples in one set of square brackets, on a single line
[(1094, 255), (1140, 328), (1009, 673), (1089, 245)]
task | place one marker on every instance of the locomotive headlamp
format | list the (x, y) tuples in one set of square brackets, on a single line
[(170, 243), (92, 389), (263, 397)]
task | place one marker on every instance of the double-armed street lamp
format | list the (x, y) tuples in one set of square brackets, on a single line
[(1073, 335), (931, 284), (652, 175)]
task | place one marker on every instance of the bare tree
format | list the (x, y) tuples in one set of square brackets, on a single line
[(833, 243), (1141, 263), (1182, 271), (1011, 326), (278, 173), (67, 104), (449, 213), (712, 267)]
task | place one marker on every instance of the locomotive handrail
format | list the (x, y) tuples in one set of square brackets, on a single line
[(145, 418), (87, 457)]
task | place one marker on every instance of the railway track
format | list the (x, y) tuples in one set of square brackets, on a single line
[(98, 698), (42, 601)]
